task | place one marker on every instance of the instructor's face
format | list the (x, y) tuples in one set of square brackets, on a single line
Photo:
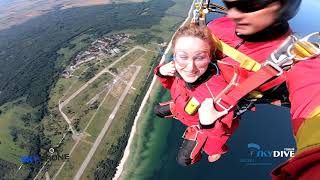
[(251, 17)]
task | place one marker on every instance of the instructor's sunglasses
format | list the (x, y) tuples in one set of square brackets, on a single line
[(248, 5)]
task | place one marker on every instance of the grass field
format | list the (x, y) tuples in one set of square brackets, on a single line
[(112, 137), (130, 59), (75, 161), (77, 109), (10, 117), (101, 117)]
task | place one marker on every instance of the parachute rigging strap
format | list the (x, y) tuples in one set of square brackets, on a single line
[(271, 68), (245, 61), (194, 133), (298, 49), (305, 48), (231, 98)]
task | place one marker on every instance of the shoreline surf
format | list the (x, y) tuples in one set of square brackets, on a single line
[(126, 154)]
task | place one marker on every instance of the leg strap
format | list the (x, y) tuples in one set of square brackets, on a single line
[(191, 148), (165, 109)]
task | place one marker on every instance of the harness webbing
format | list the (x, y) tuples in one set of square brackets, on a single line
[(231, 98), (245, 61), (272, 67)]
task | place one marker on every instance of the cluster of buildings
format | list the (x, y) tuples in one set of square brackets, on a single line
[(101, 48)]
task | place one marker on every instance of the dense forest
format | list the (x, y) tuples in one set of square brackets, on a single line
[(7, 169), (28, 51)]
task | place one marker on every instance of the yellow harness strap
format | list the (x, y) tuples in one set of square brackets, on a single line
[(245, 61), (303, 49)]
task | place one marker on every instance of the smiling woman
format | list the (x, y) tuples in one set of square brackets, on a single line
[(194, 82)]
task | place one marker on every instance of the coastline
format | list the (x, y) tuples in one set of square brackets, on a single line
[(133, 130)]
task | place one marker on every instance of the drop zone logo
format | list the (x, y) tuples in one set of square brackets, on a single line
[(51, 156), (256, 151)]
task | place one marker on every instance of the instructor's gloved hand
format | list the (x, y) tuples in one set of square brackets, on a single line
[(167, 69), (208, 114)]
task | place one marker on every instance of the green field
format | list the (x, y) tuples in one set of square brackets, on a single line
[(120, 125), (10, 117), (130, 59), (76, 158), (101, 117), (77, 108)]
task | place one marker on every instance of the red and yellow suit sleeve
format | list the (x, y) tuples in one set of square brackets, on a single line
[(304, 88), (166, 81)]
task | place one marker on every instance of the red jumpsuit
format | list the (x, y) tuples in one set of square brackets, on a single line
[(303, 84), (181, 94)]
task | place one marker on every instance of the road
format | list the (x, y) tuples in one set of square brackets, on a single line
[(65, 102), (78, 140), (106, 127)]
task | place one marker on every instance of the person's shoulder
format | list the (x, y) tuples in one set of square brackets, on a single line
[(220, 20), (222, 27)]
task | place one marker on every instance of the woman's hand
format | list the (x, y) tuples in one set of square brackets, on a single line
[(213, 158), (167, 69), (208, 114)]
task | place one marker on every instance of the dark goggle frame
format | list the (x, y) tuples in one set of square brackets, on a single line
[(248, 6)]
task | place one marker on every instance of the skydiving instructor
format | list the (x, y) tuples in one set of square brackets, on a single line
[(257, 28)]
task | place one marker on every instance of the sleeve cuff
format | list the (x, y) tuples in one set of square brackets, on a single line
[(157, 71), (208, 126)]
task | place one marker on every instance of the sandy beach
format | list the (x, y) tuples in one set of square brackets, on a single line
[(133, 130)]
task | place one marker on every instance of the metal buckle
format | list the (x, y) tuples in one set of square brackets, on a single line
[(282, 60), (280, 56), (225, 109), (274, 66), (306, 39)]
